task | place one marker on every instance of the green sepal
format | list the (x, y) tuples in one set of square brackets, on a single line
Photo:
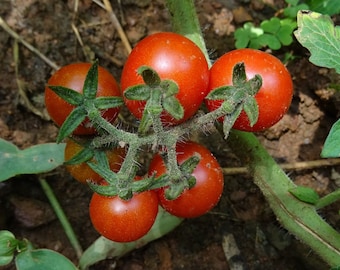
[(91, 82), (255, 84), (101, 158), (172, 106), (169, 87), (103, 103), (239, 74), (142, 185), (252, 110), (189, 165), (229, 120), (160, 182), (103, 190), (146, 121), (222, 93), (150, 76), (138, 92), (174, 191), (74, 119), (83, 155), (8, 243), (69, 95), (104, 171), (305, 194)]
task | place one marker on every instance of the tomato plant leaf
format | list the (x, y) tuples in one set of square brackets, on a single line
[(318, 34), (42, 259), (102, 103), (138, 92), (329, 7), (32, 160), (331, 148), (172, 106), (69, 95), (305, 194), (150, 76), (91, 82), (73, 120)]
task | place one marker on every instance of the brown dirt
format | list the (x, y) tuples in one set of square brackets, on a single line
[(242, 211)]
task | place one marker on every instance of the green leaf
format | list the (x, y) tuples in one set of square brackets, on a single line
[(305, 194), (331, 148), (138, 92), (329, 7), (173, 107), (74, 119), (103, 103), (91, 82), (269, 40), (35, 159), (104, 171), (242, 38), (271, 26), (69, 95), (8, 243), (292, 11), (252, 110), (43, 259), (285, 35), (317, 33), (82, 156)]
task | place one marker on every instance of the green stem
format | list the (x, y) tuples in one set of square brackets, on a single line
[(62, 217), (328, 199), (299, 218)]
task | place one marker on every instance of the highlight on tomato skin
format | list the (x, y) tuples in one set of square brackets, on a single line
[(209, 185), (73, 76), (275, 95), (173, 57), (124, 220)]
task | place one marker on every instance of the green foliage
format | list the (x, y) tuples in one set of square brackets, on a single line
[(305, 194), (277, 32), (318, 34), (36, 159)]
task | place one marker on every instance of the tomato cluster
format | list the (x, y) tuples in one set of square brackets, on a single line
[(171, 58)]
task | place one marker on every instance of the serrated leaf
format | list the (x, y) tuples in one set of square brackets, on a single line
[(69, 95), (91, 82), (271, 26), (305, 194), (74, 119), (42, 259), (103, 103), (252, 110), (331, 148), (173, 107), (35, 159), (138, 92), (317, 33)]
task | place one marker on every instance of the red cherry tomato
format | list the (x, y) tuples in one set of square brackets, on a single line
[(73, 76), (124, 221), (82, 172), (273, 98), (173, 57), (207, 191)]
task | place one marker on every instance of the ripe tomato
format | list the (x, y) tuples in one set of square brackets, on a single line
[(208, 189), (82, 172), (124, 221), (273, 98), (173, 57), (73, 76)]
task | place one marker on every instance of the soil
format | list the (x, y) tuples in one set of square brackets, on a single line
[(242, 211)]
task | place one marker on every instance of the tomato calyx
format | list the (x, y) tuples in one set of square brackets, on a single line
[(238, 97), (85, 102), (159, 96)]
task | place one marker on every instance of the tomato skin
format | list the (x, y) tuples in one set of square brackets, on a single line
[(82, 172), (73, 76), (173, 57), (208, 189), (124, 221), (273, 98)]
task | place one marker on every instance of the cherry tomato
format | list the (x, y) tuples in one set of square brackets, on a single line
[(124, 221), (73, 76), (173, 57), (82, 172), (273, 98), (208, 189)]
